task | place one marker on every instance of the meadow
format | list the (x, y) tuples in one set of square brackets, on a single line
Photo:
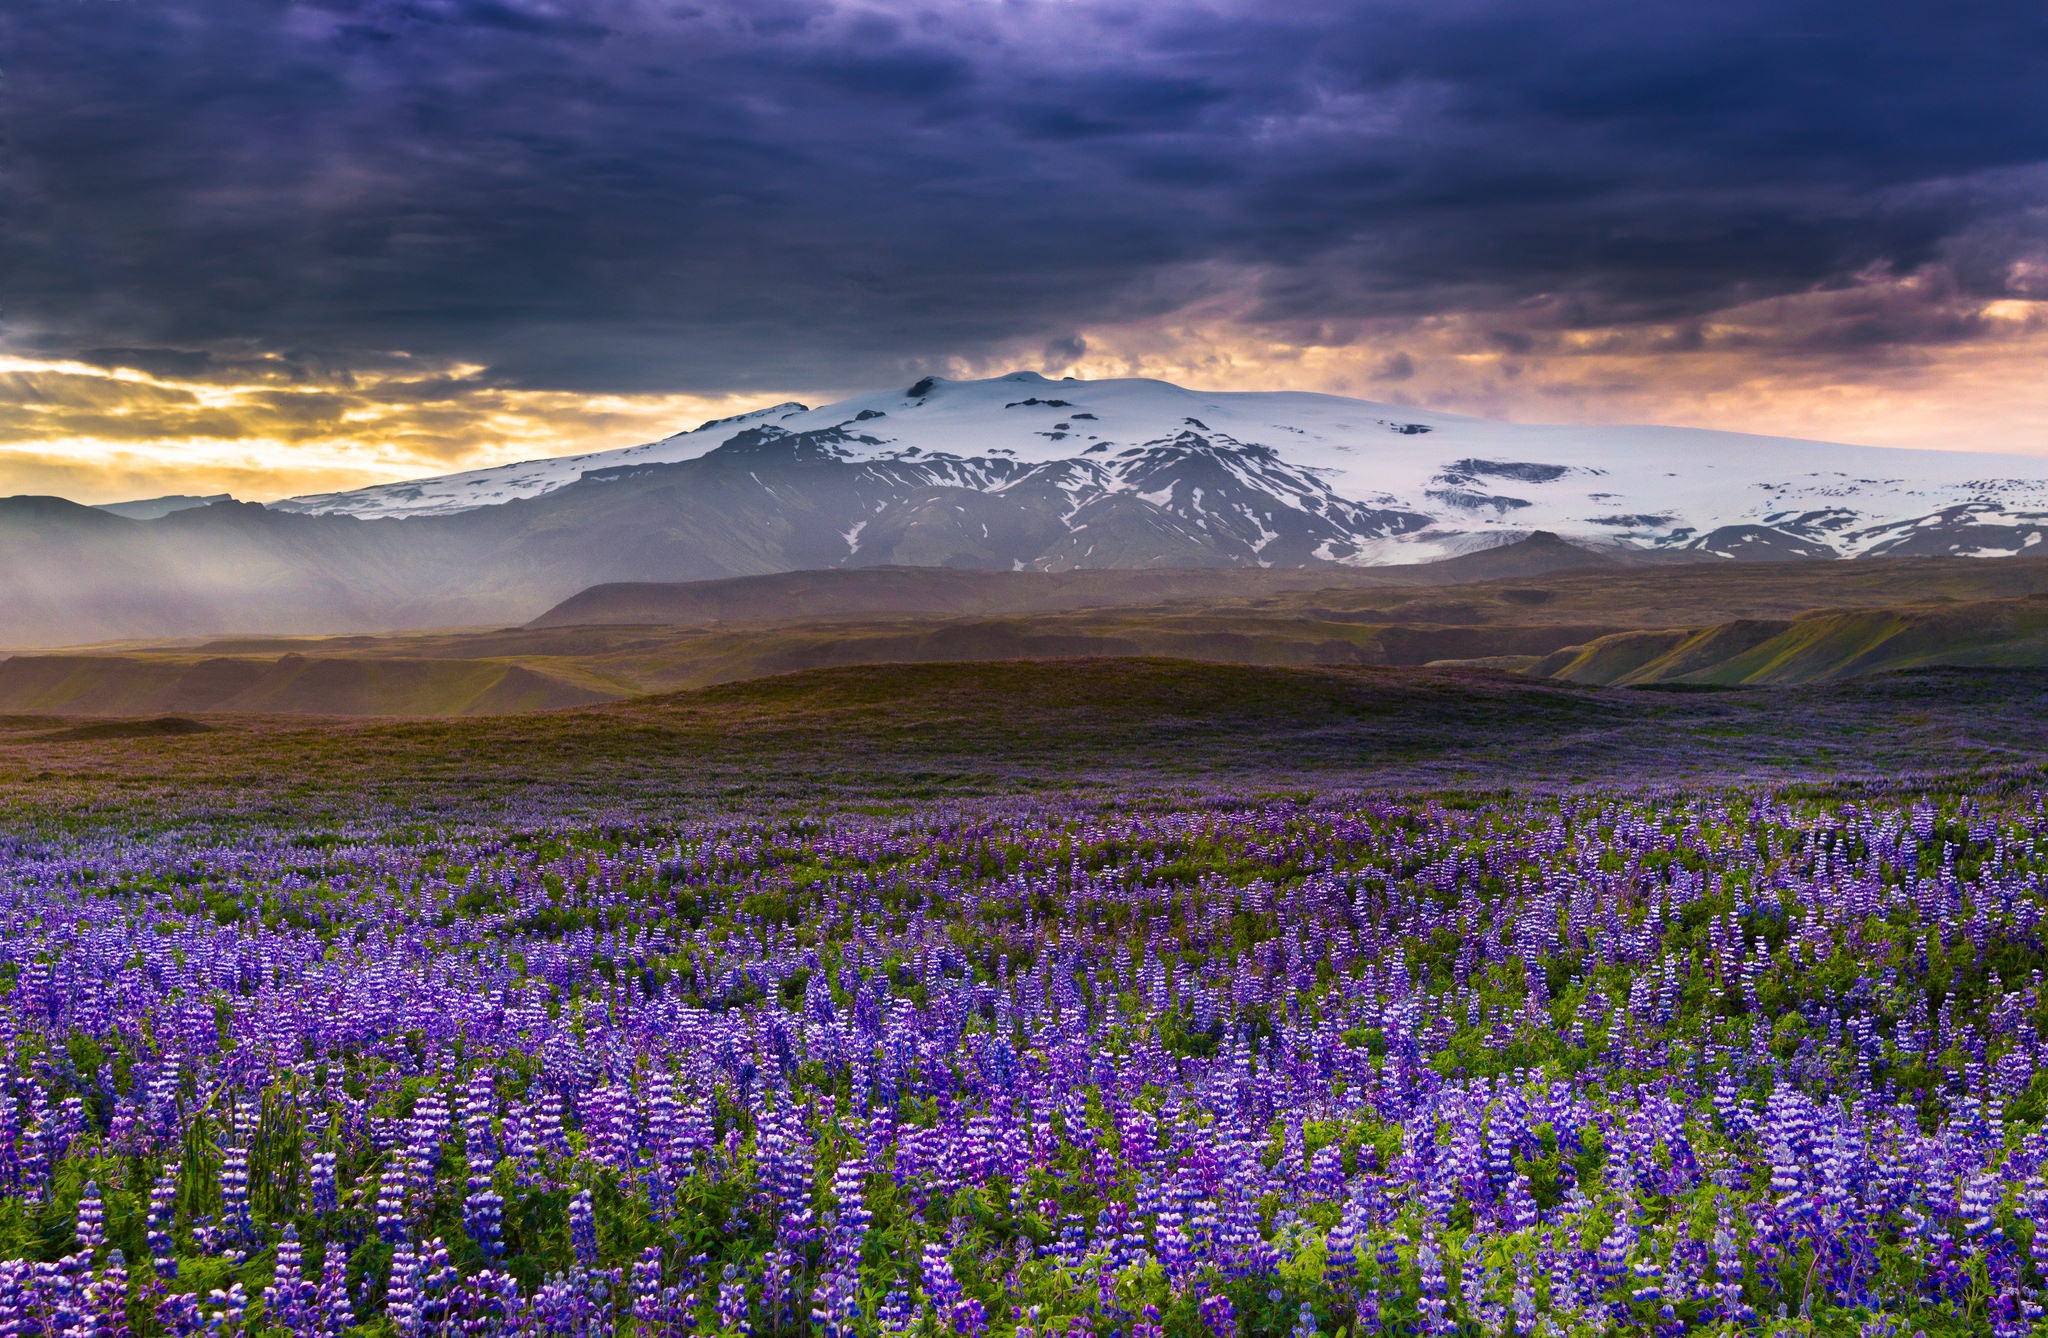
[(1179, 1052)]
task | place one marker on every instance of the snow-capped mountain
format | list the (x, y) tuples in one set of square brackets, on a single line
[(1286, 478), (1016, 473)]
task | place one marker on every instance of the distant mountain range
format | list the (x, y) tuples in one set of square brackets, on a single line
[(1014, 473)]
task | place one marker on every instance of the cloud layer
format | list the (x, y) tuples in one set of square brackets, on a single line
[(462, 199)]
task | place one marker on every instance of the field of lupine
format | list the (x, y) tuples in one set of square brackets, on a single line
[(1195, 1065)]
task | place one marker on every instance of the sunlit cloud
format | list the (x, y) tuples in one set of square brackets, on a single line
[(97, 434), (1885, 363)]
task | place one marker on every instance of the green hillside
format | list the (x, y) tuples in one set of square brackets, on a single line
[(1727, 624), (1814, 648)]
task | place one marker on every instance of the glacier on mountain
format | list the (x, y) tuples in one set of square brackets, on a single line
[(1295, 477)]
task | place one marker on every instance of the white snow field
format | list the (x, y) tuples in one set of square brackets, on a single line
[(1478, 482)]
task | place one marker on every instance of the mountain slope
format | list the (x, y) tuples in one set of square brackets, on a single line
[(851, 591), (1286, 477)]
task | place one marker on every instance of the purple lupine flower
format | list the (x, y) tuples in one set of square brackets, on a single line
[(62, 1300), (483, 1217), (2007, 1314), (835, 1301), (1219, 1317), (1518, 1204), (479, 1102), (179, 1315), (646, 1287), (1435, 1299), (402, 1292), (163, 1198), (1176, 1254), (662, 1117), (1980, 1199), (732, 1302), (1728, 1273), (336, 1314), (326, 1197), (439, 1279), (969, 1317), (1473, 1280), (33, 1157), (784, 1152), (563, 1305), (1616, 1250), (489, 1305), (547, 1126), (583, 1229), (226, 1310), (1522, 1305), (92, 1219), (390, 1205), (895, 1315), (1649, 1283), (1340, 1250), (778, 1286), (288, 1299), (941, 1290), (107, 1299)]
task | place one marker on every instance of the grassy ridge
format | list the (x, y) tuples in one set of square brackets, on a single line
[(131, 684), (1818, 647)]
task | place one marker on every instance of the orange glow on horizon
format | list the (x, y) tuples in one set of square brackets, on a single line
[(96, 434)]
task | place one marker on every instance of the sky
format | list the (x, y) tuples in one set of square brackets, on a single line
[(270, 247)]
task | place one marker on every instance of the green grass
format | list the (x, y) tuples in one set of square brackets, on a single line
[(1817, 647)]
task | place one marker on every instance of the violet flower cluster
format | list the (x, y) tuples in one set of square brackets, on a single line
[(1174, 1064)]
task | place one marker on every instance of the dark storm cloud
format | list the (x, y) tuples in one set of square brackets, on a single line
[(616, 195)]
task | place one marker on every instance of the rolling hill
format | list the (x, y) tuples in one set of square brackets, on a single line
[(1596, 622), (1816, 647)]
